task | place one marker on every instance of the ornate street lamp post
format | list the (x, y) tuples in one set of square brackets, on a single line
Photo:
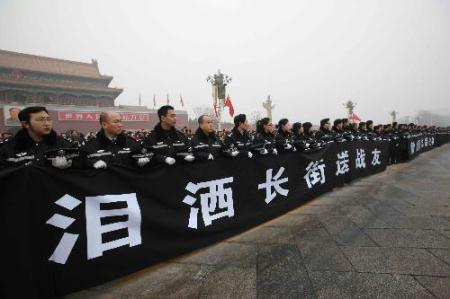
[(219, 82)]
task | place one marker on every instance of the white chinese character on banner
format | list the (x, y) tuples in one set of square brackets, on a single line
[(217, 197), (315, 173), (376, 157), (413, 147), (68, 240), (273, 182), (95, 229), (360, 158), (342, 163)]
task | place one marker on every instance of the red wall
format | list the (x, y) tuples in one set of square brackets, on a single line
[(93, 126)]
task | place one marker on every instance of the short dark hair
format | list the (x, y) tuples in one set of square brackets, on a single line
[(324, 121), (261, 123), (162, 111), (337, 121), (296, 126), (202, 118), (306, 126), (103, 116), (24, 115), (238, 119), (282, 122)]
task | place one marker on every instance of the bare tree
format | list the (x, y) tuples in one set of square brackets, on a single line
[(255, 116), (204, 110), (429, 118), (426, 117)]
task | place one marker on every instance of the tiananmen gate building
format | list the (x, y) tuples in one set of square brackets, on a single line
[(75, 93)]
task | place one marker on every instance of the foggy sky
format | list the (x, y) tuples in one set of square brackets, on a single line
[(310, 56)]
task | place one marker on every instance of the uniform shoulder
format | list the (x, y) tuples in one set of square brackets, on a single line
[(63, 142), (7, 145), (7, 141), (150, 138), (91, 145), (130, 140)]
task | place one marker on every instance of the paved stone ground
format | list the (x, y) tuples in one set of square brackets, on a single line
[(385, 236)]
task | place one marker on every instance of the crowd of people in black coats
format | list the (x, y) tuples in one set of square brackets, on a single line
[(37, 142)]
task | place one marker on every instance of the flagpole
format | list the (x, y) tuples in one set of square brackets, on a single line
[(181, 101), (220, 107)]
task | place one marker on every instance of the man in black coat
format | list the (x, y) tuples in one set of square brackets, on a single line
[(338, 132), (345, 124), (325, 134), (166, 141), (337, 126), (371, 134), (206, 145), (347, 130), (239, 142), (112, 146), (33, 143)]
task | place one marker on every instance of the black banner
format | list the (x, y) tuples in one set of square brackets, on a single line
[(418, 144), (441, 138), (66, 230)]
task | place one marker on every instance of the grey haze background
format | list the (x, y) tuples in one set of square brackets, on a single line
[(311, 56)]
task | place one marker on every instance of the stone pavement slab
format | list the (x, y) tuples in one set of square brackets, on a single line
[(438, 286), (396, 260), (367, 285), (414, 238)]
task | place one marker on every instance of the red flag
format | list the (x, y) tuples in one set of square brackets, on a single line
[(355, 117), (181, 101), (168, 100), (154, 101), (229, 105)]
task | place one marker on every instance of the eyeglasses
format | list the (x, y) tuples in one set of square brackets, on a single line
[(43, 119)]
